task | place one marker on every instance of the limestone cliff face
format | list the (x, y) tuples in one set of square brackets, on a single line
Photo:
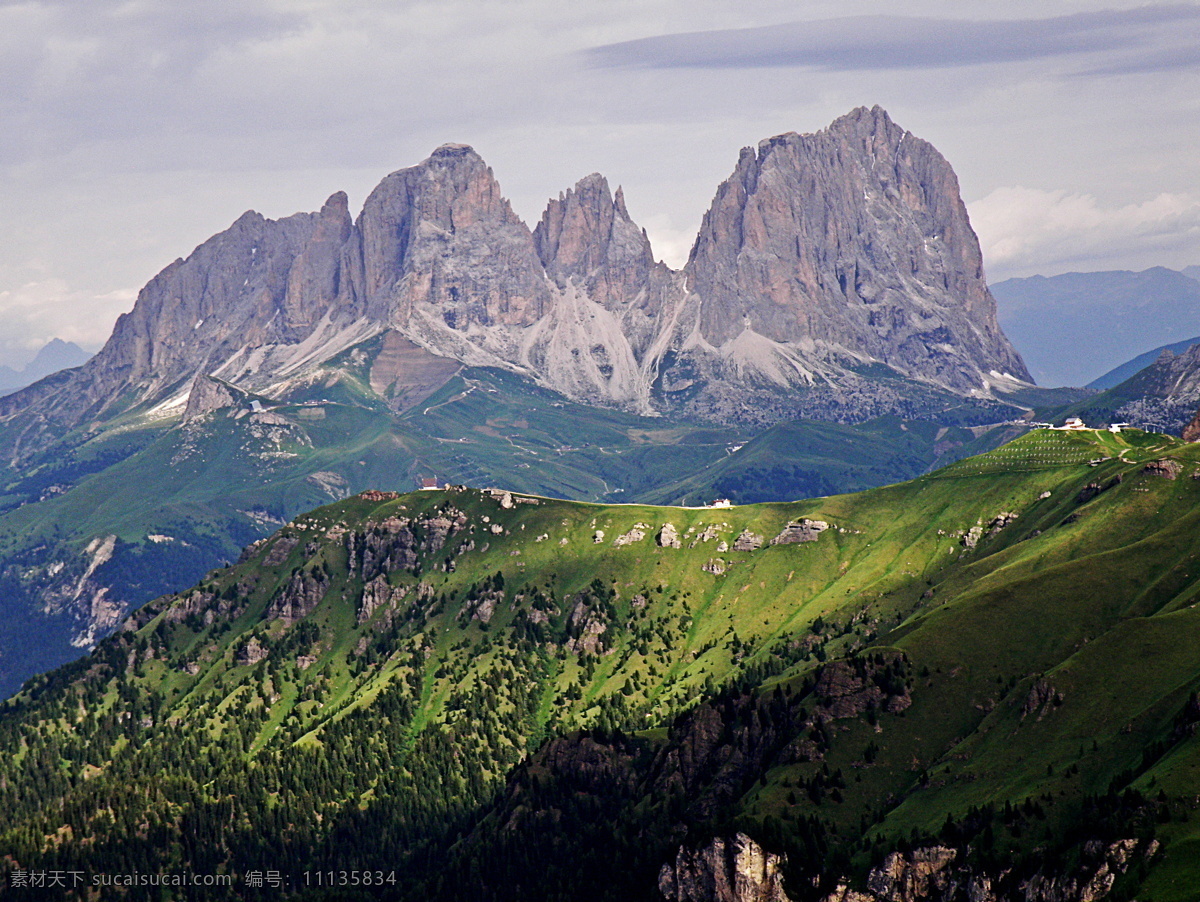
[(934, 873), (238, 306), (586, 238), (739, 870), (587, 235), (208, 394), (614, 303), (440, 238), (726, 870), (849, 244), (822, 255)]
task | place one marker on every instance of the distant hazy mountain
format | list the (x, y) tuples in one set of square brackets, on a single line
[(1192, 272), (1119, 374), (54, 356), (1073, 328)]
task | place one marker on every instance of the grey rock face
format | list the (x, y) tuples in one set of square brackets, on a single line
[(440, 238), (747, 541), (636, 534), (587, 239), (209, 394), (732, 869), (934, 873), (802, 530), (251, 653), (297, 599), (851, 244), (586, 236), (668, 537)]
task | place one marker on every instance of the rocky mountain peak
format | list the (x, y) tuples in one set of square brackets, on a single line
[(452, 150), (587, 235), (440, 239), (854, 244), (337, 209), (866, 122), (619, 202)]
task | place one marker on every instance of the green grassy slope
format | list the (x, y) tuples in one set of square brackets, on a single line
[(809, 459), (404, 681)]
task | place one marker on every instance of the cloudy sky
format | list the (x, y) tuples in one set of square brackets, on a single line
[(134, 129)]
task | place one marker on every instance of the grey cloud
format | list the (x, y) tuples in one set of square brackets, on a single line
[(108, 70), (160, 84), (1164, 59), (878, 42)]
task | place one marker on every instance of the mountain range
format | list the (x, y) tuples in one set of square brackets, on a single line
[(55, 355), (824, 261), (1162, 396), (1071, 329), (975, 681), (1132, 367)]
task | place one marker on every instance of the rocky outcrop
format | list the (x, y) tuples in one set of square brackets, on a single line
[(747, 541), (397, 543), (250, 653), (850, 688), (1093, 489), (636, 534), (481, 605), (971, 537), (923, 874), (299, 596), (668, 537), (280, 549), (802, 530), (1001, 520), (1042, 699), (376, 495), (1167, 469), (74, 583), (585, 628), (378, 593), (734, 869), (209, 394), (935, 873), (707, 534)]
